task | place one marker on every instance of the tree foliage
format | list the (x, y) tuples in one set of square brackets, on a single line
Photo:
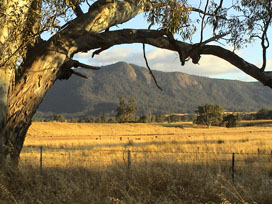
[(126, 111), (59, 118), (231, 120), (209, 114), (264, 114)]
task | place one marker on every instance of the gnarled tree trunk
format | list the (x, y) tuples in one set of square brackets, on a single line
[(5, 79), (43, 65)]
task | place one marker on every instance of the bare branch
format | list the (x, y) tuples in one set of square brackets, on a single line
[(74, 4), (203, 22), (240, 63), (66, 71), (265, 41), (215, 23), (158, 39), (214, 38), (97, 52), (206, 13), (150, 71), (79, 74), (78, 11), (74, 63)]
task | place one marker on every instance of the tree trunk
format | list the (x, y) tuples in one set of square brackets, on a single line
[(42, 67), (5, 81), (26, 97)]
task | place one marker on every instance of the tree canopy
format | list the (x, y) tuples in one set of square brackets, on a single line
[(29, 65), (209, 114), (126, 111)]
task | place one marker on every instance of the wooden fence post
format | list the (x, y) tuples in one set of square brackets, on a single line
[(41, 157), (233, 166), (129, 160), (128, 169)]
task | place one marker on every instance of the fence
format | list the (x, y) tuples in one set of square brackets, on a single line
[(46, 156)]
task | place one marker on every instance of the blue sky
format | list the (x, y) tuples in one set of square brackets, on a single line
[(168, 61)]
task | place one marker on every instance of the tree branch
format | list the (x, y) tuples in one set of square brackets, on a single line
[(74, 63), (79, 74), (97, 52), (78, 11), (66, 70), (158, 39), (74, 4), (240, 63), (206, 13), (150, 71), (214, 38), (265, 42), (203, 24)]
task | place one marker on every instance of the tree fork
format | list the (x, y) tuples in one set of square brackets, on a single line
[(40, 70)]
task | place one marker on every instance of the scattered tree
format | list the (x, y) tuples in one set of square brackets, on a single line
[(74, 120), (29, 65), (209, 115), (264, 114), (59, 118), (145, 118), (126, 112), (231, 120), (160, 118)]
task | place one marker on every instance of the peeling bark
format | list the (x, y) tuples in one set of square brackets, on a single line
[(5, 79), (42, 67)]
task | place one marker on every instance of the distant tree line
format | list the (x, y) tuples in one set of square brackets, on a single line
[(126, 112), (264, 114)]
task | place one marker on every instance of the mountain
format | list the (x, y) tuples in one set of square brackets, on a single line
[(181, 92)]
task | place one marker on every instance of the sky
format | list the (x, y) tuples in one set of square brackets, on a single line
[(168, 61)]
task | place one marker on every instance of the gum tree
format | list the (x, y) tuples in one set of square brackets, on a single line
[(29, 65), (209, 114)]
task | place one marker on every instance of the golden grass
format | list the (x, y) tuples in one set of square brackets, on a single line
[(88, 163), (218, 139)]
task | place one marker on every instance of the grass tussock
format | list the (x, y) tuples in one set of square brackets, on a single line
[(88, 163), (154, 182)]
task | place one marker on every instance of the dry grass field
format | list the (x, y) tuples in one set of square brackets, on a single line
[(240, 139), (142, 163)]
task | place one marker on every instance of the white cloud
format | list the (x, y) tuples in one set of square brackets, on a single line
[(165, 60)]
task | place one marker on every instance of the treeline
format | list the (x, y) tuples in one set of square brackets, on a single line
[(126, 112), (145, 118)]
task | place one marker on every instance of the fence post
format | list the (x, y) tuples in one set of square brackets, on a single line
[(233, 166), (41, 152), (129, 160)]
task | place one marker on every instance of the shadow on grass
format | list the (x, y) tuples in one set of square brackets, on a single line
[(144, 182), (177, 125)]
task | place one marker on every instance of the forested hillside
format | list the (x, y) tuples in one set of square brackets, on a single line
[(181, 92)]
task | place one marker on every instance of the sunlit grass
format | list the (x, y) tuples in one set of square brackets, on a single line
[(141, 163)]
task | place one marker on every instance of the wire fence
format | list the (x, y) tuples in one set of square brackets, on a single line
[(86, 157)]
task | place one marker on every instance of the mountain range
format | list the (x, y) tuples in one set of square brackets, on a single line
[(181, 92)]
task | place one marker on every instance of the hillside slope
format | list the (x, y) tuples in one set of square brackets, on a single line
[(181, 92)]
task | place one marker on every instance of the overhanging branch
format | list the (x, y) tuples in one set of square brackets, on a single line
[(158, 39), (74, 63), (67, 71)]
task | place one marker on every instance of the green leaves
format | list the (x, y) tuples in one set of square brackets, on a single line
[(172, 15), (209, 114), (125, 112)]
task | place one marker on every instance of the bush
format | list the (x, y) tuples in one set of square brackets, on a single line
[(209, 115), (59, 118), (125, 112), (231, 120)]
